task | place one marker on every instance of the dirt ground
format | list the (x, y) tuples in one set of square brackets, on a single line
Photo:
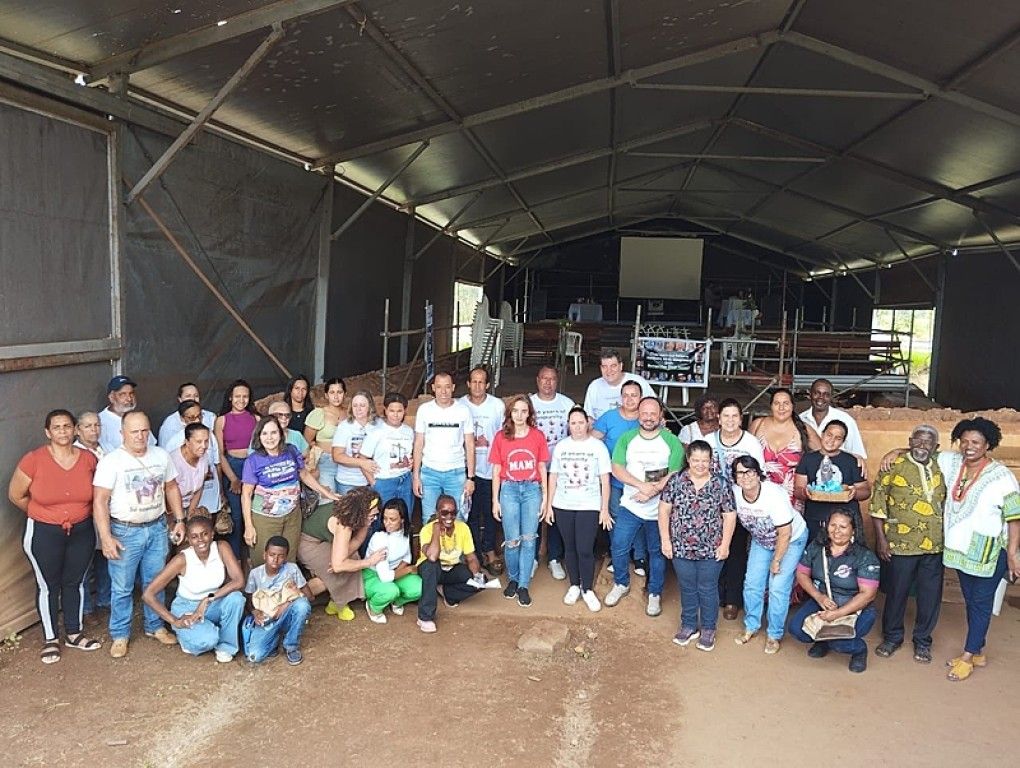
[(371, 695)]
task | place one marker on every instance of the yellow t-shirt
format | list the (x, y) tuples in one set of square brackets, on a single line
[(452, 549)]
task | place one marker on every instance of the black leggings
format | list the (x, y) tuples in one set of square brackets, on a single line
[(60, 560), (579, 530)]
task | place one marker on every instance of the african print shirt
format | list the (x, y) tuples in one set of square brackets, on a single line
[(910, 498)]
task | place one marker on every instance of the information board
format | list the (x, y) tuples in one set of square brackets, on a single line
[(672, 362)]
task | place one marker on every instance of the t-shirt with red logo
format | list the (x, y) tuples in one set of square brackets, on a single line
[(518, 458)]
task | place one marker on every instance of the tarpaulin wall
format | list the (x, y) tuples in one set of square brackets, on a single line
[(55, 290), (251, 224)]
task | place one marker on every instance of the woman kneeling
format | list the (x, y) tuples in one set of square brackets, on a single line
[(848, 573), (207, 609)]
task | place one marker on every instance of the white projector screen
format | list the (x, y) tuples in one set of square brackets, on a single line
[(661, 267)]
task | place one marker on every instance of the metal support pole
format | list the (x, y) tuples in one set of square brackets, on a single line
[(936, 336), (910, 360), (406, 284), (203, 117), (322, 282), (449, 225), (378, 192), (114, 159), (637, 332), (832, 304), (386, 341)]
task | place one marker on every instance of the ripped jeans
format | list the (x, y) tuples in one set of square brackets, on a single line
[(520, 502)]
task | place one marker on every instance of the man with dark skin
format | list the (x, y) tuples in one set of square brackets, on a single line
[(447, 559), (822, 412)]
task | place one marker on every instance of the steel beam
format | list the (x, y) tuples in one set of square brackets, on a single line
[(581, 220), (867, 291), (41, 57), (187, 42), (447, 228), (160, 166), (910, 261), (996, 51), (746, 158), (829, 93), (997, 241), (898, 75), (565, 162), (378, 192), (601, 85), (615, 57), (406, 285), (880, 169)]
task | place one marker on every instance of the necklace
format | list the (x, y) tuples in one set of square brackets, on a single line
[(964, 483)]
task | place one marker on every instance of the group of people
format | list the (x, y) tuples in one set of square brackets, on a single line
[(309, 500)]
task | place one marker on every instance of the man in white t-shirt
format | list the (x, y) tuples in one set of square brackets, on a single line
[(135, 491), (390, 445), (487, 415), (643, 460), (551, 410), (444, 448), (120, 392), (822, 412), (175, 423), (603, 393)]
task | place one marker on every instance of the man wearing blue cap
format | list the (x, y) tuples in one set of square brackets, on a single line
[(121, 394)]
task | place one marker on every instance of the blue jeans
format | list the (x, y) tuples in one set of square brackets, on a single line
[(98, 568), (327, 469), (780, 585), (259, 642), (144, 553), (615, 494), (519, 503), (343, 488), (699, 592), (864, 624), (978, 596), (218, 628), (396, 488), (629, 530), (236, 536), (435, 483)]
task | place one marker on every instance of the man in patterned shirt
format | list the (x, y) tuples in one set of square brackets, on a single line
[(906, 507)]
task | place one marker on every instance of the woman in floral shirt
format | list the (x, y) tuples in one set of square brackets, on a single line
[(697, 516)]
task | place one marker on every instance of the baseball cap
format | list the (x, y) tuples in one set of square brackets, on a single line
[(119, 381)]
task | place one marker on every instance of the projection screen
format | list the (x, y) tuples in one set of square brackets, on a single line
[(661, 267)]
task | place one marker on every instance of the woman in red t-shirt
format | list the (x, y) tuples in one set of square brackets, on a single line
[(52, 485), (519, 456)]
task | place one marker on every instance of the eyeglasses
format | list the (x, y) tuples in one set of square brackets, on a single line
[(283, 416), (741, 472)]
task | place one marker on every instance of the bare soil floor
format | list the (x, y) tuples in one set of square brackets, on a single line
[(371, 695)]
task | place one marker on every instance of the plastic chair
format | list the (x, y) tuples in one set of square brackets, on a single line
[(573, 349)]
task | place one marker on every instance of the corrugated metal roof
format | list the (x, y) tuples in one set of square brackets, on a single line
[(561, 119)]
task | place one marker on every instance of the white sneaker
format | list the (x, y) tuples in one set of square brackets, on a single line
[(557, 570), (223, 657), (617, 593), (398, 610), (378, 618), (654, 607), (572, 594), (592, 601)]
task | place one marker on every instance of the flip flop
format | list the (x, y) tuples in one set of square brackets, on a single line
[(978, 660)]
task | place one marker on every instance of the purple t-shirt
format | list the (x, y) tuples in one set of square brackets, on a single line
[(276, 480)]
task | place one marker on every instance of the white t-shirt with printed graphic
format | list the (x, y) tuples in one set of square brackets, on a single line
[(443, 430), (136, 483), (487, 419), (551, 417), (772, 509), (350, 435), (579, 466), (390, 448)]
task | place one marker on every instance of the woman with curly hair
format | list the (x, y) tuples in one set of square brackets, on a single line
[(330, 539), (982, 530), (519, 456)]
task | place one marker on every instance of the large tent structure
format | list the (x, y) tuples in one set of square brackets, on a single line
[(233, 187)]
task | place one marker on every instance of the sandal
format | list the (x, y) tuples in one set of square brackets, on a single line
[(978, 660), (50, 653), (960, 670), (745, 638), (82, 643), (922, 655)]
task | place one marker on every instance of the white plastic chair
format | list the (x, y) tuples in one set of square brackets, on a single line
[(573, 349)]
